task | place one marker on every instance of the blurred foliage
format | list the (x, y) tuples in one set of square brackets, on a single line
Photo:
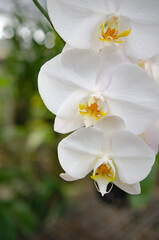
[(30, 191)]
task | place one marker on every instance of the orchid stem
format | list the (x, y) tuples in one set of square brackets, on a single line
[(43, 11)]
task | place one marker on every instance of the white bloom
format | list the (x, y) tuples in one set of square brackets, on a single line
[(112, 153), (133, 24), (151, 66), (81, 86)]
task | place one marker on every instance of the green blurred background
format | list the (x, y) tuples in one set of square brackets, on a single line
[(30, 188), (31, 192)]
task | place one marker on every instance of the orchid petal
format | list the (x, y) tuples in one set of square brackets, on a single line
[(110, 64), (144, 10), (79, 151), (85, 63), (67, 47), (67, 177), (113, 5), (68, 117), (143, 40), (132, 157), (129, 188), (56, 83), (133, 97), (66, 73), (74, 18)]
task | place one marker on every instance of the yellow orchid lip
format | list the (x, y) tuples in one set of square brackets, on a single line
[(104, 170), (104, 175), (110, 31)]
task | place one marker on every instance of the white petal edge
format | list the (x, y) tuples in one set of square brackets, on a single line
[(67, 177), (129, 188)]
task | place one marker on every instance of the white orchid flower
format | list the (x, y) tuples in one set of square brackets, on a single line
[(95, 24), (151, 66), (81, 86), (114, 154)]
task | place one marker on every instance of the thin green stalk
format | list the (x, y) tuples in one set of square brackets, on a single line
[(42, 10)]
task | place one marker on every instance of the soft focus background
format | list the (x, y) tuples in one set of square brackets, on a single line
[(35, 203)]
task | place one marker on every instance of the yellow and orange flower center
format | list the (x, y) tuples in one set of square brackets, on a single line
[(111, 33), (92, 109), (104, 170)]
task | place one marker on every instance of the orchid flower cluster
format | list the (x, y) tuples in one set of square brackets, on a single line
[(104, 87)]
